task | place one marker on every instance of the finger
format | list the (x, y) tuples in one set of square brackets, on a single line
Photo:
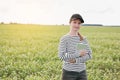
[(72, 61)]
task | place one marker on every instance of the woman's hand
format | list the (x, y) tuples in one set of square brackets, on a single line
[(72, 60), (83, 53)]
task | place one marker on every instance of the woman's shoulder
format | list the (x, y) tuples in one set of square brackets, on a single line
[(64, 37), (85, 39)]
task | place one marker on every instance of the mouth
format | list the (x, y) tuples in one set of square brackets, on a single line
[(76, 27)]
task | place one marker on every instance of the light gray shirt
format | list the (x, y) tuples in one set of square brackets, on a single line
[(67, 49)]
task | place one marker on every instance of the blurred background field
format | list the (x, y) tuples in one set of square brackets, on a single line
[(29, 52)]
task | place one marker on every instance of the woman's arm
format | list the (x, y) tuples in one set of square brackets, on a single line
[(85, 58), (62, 52)]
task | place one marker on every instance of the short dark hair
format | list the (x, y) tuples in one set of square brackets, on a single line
[(75, 17)]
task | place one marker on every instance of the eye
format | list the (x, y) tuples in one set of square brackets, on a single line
[(74, 22)]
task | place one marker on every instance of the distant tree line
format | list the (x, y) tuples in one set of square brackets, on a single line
[(92, 25), (9, 23)]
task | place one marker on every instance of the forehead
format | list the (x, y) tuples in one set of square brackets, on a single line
[(76, 20)]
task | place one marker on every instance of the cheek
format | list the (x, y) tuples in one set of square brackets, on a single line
[(73, 25)]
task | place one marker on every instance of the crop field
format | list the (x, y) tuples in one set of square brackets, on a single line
[(30, 52)]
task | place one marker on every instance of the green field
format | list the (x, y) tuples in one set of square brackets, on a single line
[(29, 52)]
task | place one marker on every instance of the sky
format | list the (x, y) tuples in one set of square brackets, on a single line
[(104, 12)]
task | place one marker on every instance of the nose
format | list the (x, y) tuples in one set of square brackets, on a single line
[(77, 25)]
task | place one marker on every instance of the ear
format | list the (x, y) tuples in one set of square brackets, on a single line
[(69, 22)]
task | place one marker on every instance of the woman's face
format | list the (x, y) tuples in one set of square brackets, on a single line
[(75, 24)]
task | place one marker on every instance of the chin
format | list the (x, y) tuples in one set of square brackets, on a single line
[(76, 29)]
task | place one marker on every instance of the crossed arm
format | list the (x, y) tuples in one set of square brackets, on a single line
[(76, 57)]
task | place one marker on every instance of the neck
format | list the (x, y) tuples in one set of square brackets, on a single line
[(73, 33)]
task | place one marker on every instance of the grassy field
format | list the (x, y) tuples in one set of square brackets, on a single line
[(29, 52)]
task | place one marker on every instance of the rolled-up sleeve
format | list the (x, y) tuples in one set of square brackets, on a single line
[(88, 56)]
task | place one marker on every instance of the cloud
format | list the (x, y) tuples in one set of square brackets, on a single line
[(59, 11)]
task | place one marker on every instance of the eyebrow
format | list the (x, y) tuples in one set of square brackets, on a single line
[(79, 21)]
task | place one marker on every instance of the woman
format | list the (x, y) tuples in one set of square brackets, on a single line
[(74, 67)]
